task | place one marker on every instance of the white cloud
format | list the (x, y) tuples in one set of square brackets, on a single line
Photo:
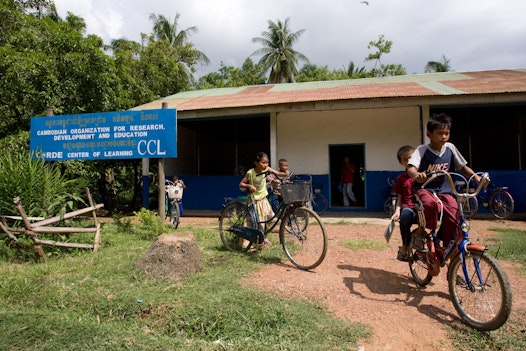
[(474, 34)]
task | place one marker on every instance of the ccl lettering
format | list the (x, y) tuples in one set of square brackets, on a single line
[(150, 147)]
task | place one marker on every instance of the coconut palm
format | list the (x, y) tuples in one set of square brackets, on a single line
[(354, 71), (278, 53), (438, 66), (165, 29)]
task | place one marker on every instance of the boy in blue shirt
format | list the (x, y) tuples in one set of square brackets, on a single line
[(438, 155)]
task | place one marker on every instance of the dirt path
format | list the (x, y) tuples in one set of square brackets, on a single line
[(372, 287)]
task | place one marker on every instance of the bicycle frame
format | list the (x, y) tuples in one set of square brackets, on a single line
[(462, 245)]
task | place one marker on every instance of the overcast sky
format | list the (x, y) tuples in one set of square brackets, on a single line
[(474, 34)]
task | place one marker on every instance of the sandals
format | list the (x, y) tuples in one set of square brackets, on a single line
[(266, 243), (419, 240), (403, 254)]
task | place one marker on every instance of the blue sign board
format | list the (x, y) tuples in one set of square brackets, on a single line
[(108, 135)]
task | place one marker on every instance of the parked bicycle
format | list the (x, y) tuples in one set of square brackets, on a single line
[(318, 201), (174, 196), (497, 199), (390, 197), (478, 286), (301, 232)]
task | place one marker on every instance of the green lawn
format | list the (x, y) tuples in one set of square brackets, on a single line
[(81, 300)]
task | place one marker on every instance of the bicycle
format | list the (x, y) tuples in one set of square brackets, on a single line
[(318, 201), (301, 232), (478, 285), (390, 197), (174, 196), (498, 200)]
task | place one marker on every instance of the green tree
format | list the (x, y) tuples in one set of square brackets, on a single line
[(392, 69), (40, 8), (47, 63), (313, 73), (229, 76), (438, 66), (382, 47), (133, 88), (355, 72), (186, 55), (278, 52)]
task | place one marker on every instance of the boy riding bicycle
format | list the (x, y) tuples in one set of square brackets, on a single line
[(439, 154)]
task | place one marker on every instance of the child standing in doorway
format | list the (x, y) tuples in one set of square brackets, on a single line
[(347, 180), (405, 211), (256, 184)]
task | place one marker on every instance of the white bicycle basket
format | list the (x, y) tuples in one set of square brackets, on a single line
[(175, 191)]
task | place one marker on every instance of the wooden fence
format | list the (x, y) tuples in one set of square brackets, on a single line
[(33, 226)]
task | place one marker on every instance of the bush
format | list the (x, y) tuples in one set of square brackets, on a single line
[(43, 190)]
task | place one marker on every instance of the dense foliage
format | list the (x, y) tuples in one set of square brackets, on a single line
[(50, 64), (41, 187)]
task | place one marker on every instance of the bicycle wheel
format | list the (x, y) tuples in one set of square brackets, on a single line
[(390, 205), (501, 204), (306, 246), (470, 207), (485, 304), (319, 203), (300, 224), (234, 214), (174, 214), (419, 268)]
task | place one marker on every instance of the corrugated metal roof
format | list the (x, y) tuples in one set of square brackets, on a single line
[(432, 84)]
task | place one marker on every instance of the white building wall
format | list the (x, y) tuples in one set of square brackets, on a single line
[(381, 130)]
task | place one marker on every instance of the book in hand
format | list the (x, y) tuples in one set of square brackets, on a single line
[(389, 231)]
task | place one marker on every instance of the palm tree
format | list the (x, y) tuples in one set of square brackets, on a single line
[(438, 66), (354, 71), (278, 53), (164, 29)]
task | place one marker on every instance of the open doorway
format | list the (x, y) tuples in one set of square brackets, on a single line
[(356, 155)]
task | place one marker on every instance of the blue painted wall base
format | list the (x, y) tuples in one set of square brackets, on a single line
[(209, 192)]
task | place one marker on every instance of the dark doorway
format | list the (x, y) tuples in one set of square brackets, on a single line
[(222, 146), (356, 154)]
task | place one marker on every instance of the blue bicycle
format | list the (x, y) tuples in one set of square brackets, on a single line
[(478, 285), (497, 199)]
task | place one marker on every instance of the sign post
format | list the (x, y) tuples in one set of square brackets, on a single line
[(109, 135)]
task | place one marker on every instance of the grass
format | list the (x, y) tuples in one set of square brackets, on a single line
[(510, 245), (79, 300), (363, 244)]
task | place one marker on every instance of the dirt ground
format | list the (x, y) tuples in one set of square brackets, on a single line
[(372, 287)]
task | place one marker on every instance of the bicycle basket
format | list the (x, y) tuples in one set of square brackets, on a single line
[(296, 192), (175, 191)]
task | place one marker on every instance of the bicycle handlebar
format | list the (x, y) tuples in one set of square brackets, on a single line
[(483, 182), (264, 172)]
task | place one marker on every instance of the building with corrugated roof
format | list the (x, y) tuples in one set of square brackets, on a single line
[(314, 125)]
